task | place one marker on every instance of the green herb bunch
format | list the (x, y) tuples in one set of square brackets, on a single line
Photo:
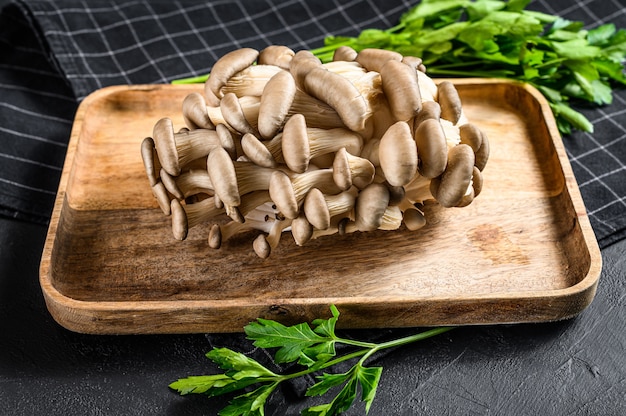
[(314, 348), (501, 39)]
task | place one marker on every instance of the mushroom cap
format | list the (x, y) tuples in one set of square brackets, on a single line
[(370, 207), (278, 55), (150, 160), (282, 194), (430, 109), (195, 112), (179, 220), (349, 169), (215, 236), (234, 115), (223, 176), (373, 59), (162, 196), (339, 93), (301, 230), (471, 135), (449, 188), (301, 64), (261, 246), (398, 154), (342, 174), (344, 53), (170, 184), (227, 66), (413, 219), (450, 102), (276, 100), (165, 144), (316, 209), (432, 148), (256, 151), (295, 144), (477, 181), (414, 62), (482, 154), (399, 82), (226, 140)]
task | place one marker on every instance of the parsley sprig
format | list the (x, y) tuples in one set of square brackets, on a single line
[(501, 39), (311, 346)]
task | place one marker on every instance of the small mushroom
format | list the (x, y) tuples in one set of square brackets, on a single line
[(398, 154), (482, 154), (234, 115), (185, 217), (344, 53), (224, 178), (471, 135), (339, 93), (287, 193), (349, 169), (414, 62), (301, 229), (162, 197), (277, 55), (300, 144), (449, 188), (175, 150), (301, 64), (413, 218), (430, 110), (374, 59), (228, 65), (257, 152), (150, 160), (390, 219), (399, 82), (188, 183), (264, 244), (195, 112), (276, 100), (432, 148), (370, 207), (250, 81), (320, 208), (450, 102)]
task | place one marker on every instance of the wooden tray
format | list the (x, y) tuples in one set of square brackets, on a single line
[(523, 251)]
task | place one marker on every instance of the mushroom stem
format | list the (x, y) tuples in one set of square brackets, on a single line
[(175, 150), (288, 193), (418, 190), (188, 183), (319, 208)]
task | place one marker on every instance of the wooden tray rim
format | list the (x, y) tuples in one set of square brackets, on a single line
[(83, 313)]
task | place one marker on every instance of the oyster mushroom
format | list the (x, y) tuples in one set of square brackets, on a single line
[(450, 102), (185, 217), (370, 207), (374, 59), (344, 53), (398, 154), (264, 244), (150, 160), (276, 100), (227, 66), (277, 55), (300, 143), (340, 94), (257, 152), (432, 148), (195, 112), (234, 115), (320, 208), (175, 150), (349, 169), (399, 83), (449, 188), (288, 193)]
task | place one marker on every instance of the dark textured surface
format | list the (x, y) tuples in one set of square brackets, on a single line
[(574, 367)]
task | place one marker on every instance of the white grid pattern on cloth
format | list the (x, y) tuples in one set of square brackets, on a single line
[(136, 41)]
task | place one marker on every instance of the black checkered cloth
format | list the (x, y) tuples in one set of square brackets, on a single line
[(54, 53)]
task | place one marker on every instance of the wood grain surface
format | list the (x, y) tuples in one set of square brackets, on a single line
[(523, 251)]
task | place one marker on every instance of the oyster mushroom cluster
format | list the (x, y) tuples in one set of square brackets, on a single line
[(281, 143)]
